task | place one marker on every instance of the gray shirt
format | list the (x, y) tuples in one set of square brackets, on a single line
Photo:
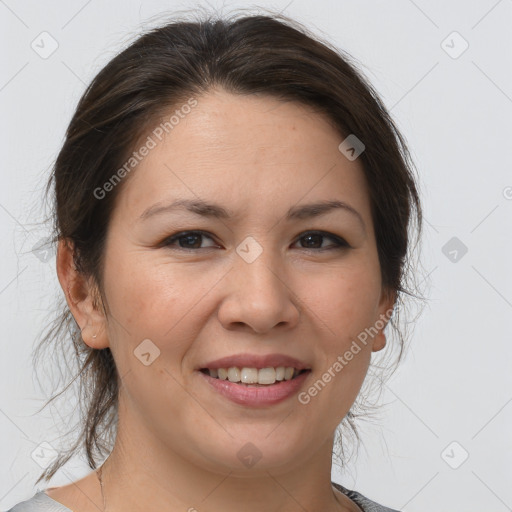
[(41, 502)]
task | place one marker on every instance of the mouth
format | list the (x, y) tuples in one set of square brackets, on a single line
[(255, 377), (264, 387)]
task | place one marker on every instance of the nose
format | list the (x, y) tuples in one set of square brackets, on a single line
[(259, 297)]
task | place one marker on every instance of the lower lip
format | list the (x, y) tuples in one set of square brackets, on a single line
[(257, 396)]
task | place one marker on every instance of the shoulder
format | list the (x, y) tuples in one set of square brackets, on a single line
[(366, 504), (40, 502)]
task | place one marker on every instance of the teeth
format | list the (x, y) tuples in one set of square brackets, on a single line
[(253, 375), (288, 373), (233, 374)]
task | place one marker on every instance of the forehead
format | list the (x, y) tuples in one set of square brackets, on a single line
[(245, 151)]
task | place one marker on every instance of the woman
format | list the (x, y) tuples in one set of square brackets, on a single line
[(232, 204)]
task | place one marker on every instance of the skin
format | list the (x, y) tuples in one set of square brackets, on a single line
[(178, 440)]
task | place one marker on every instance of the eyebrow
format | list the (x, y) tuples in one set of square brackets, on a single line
[(212, 210)]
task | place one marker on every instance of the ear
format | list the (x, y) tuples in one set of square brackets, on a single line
[(385, 309), (82, 298)]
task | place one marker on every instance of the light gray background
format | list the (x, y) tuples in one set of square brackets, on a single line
[(455, 384)]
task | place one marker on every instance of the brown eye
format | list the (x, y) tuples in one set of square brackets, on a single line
[(186, 240), (314, 239)]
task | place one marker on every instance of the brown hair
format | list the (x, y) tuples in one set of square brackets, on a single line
[(244, 54)]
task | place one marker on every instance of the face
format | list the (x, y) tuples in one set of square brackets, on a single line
[(202, 286)]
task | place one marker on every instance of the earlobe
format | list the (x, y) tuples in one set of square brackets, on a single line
[(80, 297), (385, 311), (92, 340), (379, 342)]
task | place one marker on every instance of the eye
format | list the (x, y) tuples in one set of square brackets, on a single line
[(186, 240), (191, 240), (314, 238)]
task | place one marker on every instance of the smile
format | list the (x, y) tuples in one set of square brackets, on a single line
[(255, 394)]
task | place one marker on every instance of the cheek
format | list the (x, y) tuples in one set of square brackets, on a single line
[(152, 299), (343, 300), (344, 304)]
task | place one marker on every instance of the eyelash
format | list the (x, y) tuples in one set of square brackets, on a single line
[(339, 243)]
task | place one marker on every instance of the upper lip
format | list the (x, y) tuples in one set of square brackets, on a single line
[(256, 361)]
